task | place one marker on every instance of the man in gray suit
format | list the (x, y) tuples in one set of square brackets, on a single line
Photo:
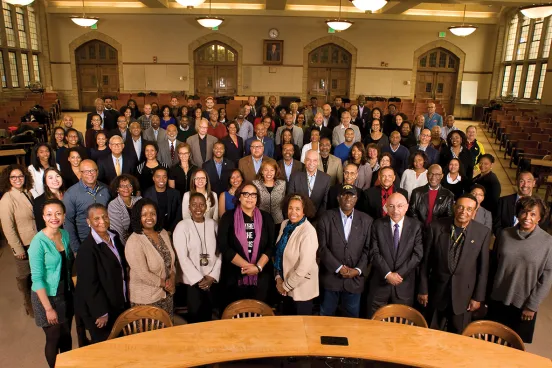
[(343, 248), (154, 133), (296, 132), (396, 251), (168, 147), (312, 183), (201, 144)]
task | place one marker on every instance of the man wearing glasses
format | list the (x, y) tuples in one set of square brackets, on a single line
[(115, 164), (396, 251), (250, 165), (423, 145)]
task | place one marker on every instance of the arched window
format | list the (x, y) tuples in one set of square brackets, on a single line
[(216, 70), (525, 57)]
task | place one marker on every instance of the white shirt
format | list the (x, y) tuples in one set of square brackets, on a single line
[(307, 147), (400, 223), (411, 181), (311, 179), (347, 222), (137, 146), (120, 159), (38, 180)]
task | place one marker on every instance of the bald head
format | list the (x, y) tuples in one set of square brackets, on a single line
[(89, 171), (397, 205)]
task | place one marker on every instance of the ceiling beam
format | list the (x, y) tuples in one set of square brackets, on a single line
[(155, 3), (276, 4), (398, 7)]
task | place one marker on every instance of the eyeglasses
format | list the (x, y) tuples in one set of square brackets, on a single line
[(200, 179), (89, 172), (398, 206), (183, 153), (116, 144), (125, 186), (249, 195), (19, 177), (255, 147), (460, 208)]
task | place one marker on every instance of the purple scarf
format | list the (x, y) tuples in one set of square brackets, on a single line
[(239, 228)]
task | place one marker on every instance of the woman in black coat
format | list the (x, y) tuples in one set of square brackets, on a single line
[(247, 247), (233, 144), (102, 281), (488, 179), (456, 148)]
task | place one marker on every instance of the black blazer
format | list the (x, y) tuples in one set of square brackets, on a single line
[(278, 154), (492, 191), (232, 152), (131, 152), (109, 120), (432, 153), (325, 132), (465, 158), (334, 251), (404, 261), (297, 166), (106, 168), (174, 206), (219, 185), (228, 246), (372, 200), (469, 280), (100, 280), (505, 213), (38, 202), (333, 192), (419, 203), (298, 183)]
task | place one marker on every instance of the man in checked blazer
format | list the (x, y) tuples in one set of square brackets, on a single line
[(201, 144), (396, 251), (312, 183), (343, 248)]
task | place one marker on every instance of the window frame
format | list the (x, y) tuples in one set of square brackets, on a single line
[(524, 60)]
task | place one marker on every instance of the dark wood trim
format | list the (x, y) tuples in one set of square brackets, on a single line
[(469, 72), (270, 65), (383, 68), (144, 63), (60, 62)]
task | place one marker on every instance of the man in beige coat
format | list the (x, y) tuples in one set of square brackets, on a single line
[(201, 144)]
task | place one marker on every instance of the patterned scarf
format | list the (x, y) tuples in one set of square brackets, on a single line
[(239, 227), (281, 245)]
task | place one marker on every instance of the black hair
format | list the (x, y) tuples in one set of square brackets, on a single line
[(478, 186), (413, 155), (136, 220), (35, 161), (468, 196), (462, 136), (53, 201), (159, 168), (525, 204), (308, 207), (47, 192), (124, 177), (5, 183), (95, 206), (487, 156)]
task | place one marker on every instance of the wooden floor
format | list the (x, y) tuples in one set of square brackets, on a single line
[(22, 343)]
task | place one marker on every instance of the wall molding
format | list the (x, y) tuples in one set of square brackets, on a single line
[(151, 63), (60, 62)]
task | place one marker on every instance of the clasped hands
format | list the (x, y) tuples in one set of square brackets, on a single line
[(474, 305), (394, 278), (249, 269), (206, 282), (168, 285), (348, 272)]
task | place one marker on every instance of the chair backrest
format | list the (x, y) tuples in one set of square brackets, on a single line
[(546, 145), (247, 308), (540, 137), (517, 136), (522, 144), (140, 319), (494, 332), (532, 130), (512, 129), (398, 313)]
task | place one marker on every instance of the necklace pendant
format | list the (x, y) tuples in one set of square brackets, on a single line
[(203, 259)]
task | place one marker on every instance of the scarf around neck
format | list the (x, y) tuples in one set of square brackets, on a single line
[(281, 245), (239, 228)]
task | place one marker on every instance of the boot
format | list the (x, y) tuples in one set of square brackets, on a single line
[(24, 286)]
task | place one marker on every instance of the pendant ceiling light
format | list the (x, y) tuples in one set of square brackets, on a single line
[(463, 30), (537, 11), (209, 21), (190, 3), (84, 21), (369, 5), (19, 2), (339, 24)]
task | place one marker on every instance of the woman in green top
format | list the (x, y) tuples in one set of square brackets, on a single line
[(51, 262)]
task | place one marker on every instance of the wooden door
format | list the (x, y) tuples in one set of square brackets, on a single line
[(109, 79), (216, 70), (205, 80), (425, 82), (445, 87), (318, 84), (226, 80), (339, 83), (88, 86)]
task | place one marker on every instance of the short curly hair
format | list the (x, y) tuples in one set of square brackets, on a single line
[(525, 204), (136, 220), (124, 177), (412, 157), (5, 183), (308, 207)]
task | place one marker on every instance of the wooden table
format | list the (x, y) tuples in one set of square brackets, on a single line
[(18, 153), (542, 163), (250, 338)]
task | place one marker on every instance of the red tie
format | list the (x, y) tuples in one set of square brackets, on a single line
[(172, 151)]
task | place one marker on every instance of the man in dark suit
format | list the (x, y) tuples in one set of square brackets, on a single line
[(113, 165), (329, 120), (343, 247), (350, 174), (108, 103), (273, 54), (260, 135), (432, 153), (399, 152), (505, 214), (396, 251), (325, 132), (135, 147), (431, 201), (376, 197), (108, 119), (218, 169), (121, 130), (363, 110), (288, 165), (453, 275), (338, 108), (312, 183), (167, 199)]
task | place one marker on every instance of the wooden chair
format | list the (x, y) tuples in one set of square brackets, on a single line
[(494, 332), (511, 141), (140, 319), (520, 147), (532, 130), (247, 308), (504, 132), (398, 313)]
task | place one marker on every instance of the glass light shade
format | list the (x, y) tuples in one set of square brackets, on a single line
[(210, 22), (19, 2), (190, 3), (369, 5), (339, 24), (537, 11), (84, 21), (462, 31)]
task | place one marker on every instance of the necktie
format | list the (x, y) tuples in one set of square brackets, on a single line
[(155, 133), (172, 151), (311, 178), (396, 238), (117, 167)]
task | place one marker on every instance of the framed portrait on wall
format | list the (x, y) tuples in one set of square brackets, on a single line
[(273, 52)]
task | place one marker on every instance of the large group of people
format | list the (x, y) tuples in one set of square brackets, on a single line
[(305, 210)]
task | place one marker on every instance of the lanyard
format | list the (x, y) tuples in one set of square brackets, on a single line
[(457, 240)]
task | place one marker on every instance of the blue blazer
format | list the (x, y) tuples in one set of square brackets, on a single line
[(268, 146)]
